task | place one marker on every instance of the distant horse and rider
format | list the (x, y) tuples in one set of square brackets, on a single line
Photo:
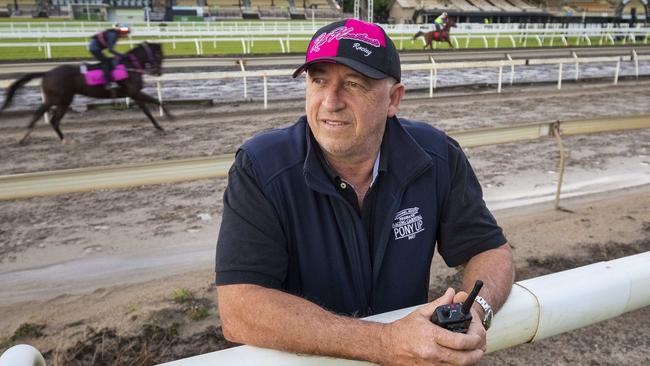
[(62, 83), (440, 34)]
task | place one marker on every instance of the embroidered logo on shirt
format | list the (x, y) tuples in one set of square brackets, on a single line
[(407, 223)]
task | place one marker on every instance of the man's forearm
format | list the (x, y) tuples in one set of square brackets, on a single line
[(495, 268), (273, 319)]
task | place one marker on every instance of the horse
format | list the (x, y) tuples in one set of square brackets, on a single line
[(62, 83), (437, 35)]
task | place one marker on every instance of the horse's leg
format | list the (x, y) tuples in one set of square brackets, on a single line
[(147, 112), (149, 99), (35, 117), (449, 41), (56, 119)]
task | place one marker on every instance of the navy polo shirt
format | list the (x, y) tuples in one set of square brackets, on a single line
[(287, 225)]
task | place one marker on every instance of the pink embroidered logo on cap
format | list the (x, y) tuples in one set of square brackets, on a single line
[(343, 33)]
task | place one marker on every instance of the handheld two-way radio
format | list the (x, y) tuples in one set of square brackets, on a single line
[(457, 317)]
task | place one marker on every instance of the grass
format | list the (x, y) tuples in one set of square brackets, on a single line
[(182, 296)]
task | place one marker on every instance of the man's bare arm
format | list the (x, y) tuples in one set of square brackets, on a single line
[(270, 318), (273, 319), (496, 269)]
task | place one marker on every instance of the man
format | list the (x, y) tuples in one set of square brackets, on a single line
[(107, 40), (441, 21), (337, 217)]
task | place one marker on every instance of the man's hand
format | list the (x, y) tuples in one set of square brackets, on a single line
[(415, 340)]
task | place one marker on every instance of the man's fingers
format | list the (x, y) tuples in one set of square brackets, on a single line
[(447, 356), (428, 309), (471, 340)]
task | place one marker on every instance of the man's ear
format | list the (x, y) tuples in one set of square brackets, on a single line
[(396, 95)]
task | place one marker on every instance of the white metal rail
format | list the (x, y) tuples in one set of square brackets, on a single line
[(172, 171), (535, 310), (432, 67)]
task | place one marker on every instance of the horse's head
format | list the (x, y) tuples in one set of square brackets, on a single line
[(149, 56), (450, 24)]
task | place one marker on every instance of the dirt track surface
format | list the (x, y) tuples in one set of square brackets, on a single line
[(136, 315)]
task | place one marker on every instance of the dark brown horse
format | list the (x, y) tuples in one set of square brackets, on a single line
[(62, 83), (435, 35)]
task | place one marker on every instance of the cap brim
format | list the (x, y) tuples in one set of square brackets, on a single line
[(354, 65)]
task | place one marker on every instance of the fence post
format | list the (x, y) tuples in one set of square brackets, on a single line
[(618, 68), (500, 77), (282, 45), (265, 93), (243, 46), (196, 45), (48, 49), (575, 56), (159, 90), (559, 77), (636, 63), (485, 42), (433, 77), (558, 139), (512, 69), (243, 69)]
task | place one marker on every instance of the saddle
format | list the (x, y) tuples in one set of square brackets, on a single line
[(94, 75)]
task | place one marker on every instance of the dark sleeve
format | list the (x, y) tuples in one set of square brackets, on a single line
[(111, 40), (251, 247), (467, 227)]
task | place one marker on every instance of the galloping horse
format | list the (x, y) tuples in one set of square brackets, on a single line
[(435, 35), (62, 83)]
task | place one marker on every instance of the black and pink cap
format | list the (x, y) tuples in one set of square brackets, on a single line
[(363, 47)]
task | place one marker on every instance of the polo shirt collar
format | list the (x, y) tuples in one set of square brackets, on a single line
[(398, 150)]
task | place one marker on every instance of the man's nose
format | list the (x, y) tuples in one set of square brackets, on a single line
[(333, 100)]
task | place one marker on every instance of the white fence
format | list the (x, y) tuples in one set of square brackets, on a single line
[(523, 39), (433, 67), (536, 309), (55, 29)]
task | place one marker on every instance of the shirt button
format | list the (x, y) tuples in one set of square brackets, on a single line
[(343, 185)]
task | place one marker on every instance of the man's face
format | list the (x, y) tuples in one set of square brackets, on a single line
[(347, 111)]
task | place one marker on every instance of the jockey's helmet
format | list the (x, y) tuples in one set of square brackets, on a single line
[(444, 14), (122, 29)]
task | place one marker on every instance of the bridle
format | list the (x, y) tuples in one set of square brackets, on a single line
[(147, 65)]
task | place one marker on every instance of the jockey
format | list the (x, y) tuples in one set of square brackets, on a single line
[(107, 40), (441, 21)]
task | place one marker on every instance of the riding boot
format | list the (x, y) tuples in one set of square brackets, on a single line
[(107, 76)]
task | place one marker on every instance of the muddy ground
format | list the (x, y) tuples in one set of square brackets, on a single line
[(53, 248)]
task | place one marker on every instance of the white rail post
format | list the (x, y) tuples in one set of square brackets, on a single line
[(467, 41), (266, 104), (288, 43), (500, 78), (559, 77), (243, 46), (196, 45), (48, 49), (577, 73), (453, 39), (552, 38), (159, 90), (282, 45), (512, 69), (636, 63), (433, 77), (539, 40), (243, 69), (485, 42), (46, 115), (512, 39), (565, 41), (22, 355), (618, 68), (496, 41)]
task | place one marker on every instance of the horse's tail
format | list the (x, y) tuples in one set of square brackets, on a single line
[(16, 85), (418, 34)]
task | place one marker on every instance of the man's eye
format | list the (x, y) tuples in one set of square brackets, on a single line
[(353, 85)]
